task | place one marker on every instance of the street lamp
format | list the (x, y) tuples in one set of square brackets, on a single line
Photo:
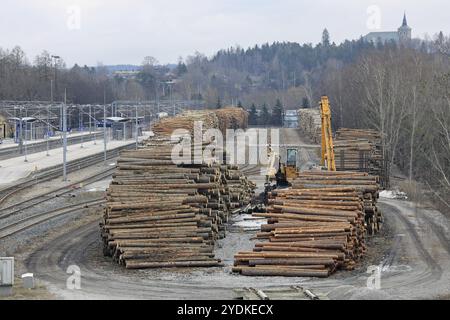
[(55, 59), (64, 115)]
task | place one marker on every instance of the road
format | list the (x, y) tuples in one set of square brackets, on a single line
[(413, 252), (308, 155)]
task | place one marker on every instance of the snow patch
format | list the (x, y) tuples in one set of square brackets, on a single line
[(393, 194), (245, 221), (96, 189)]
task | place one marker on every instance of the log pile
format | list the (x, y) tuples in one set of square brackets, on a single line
[(232, 118), (307, 235), (317, 227), (162, 215), (227, 118), (367, 185), (361, 150), (165, 127), (310, 122)]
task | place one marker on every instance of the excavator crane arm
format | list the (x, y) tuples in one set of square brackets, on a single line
[(328, 158)]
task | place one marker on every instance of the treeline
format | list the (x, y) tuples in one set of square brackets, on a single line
[(265, 116), (405, 94), (23, 80), (283, 71), (259, 75), (263, 74)]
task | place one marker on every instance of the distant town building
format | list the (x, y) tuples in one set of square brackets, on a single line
[(291, 119), (402, 35), (127, 74)]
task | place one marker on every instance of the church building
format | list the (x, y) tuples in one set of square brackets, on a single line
[(402, 35)]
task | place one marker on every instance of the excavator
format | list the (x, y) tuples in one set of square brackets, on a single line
[(288, 171), (328, 158)]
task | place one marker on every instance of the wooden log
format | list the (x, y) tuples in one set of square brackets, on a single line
[(139, 264)]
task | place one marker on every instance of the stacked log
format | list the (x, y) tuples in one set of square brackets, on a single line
[(367, 185), (314, 229), (361, 150), (232, 118), (223, 119), (373, 136), (310, 122), (185, 121), (161, 215), (307, 235)]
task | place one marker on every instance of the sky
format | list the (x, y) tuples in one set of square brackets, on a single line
[(124, 32)]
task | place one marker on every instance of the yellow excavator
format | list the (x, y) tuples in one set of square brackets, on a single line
[(288, 171), (328, 159)]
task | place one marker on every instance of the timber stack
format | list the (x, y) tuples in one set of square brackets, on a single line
[(232, 118), (160, 214), (185, 121), (310, 122), (367, 185), (223, 119), (314, 229), (361, 150)]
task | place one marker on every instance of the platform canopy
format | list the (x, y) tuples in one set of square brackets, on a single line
[(26, 119), (117, 119)]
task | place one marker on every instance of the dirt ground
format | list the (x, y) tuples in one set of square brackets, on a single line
[(413, 252)]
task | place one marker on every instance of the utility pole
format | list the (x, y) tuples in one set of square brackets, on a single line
[(25, 142), (64, 111), (22, 142), (137, 129), (90, 125), (56, 58), (48, 131), (104, 125), (48, 118), (80, 124)]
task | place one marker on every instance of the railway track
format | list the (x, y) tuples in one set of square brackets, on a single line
[(15, 151), (55, 172), (26, 223), (29, 203)]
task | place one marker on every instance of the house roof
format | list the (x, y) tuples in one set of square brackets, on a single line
[(383, 36)]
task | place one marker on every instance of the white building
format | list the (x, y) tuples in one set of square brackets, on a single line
[(402, 35)]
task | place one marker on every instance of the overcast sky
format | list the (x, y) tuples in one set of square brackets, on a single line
[(122, 32)]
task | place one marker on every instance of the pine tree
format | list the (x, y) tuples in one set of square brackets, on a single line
[(240, 104), (305, 103), (181, 68), (326, 38), (219, 103), (277, 114), (253, 116), (264, 120)]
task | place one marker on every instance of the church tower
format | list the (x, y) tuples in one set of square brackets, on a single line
[(404, 32)]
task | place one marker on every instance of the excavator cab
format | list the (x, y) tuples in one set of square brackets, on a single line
[(292, 158), (287, 172)]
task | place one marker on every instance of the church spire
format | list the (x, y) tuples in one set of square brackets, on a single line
[(405, 22)]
